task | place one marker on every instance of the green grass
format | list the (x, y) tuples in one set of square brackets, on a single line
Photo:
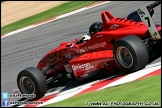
[(61, 9), (147, 90)]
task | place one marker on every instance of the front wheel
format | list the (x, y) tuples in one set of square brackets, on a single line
[(32, 81), (130, 54)]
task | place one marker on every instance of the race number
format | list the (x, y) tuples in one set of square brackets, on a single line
[(146, 18)]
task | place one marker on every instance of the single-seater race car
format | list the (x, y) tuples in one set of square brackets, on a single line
[(123, 43)]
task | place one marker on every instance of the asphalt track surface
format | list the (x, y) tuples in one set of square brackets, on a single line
[(26, 48)]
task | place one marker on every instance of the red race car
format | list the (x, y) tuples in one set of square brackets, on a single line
[(122, 43)]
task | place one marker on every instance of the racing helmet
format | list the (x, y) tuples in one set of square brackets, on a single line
[(94, 28)]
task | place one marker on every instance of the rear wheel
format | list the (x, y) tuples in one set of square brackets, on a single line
[(130, 53)]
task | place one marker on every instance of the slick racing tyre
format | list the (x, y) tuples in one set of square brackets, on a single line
[(32, 81), (130, 54)]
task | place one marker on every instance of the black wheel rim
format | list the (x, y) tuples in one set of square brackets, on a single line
[(26, 85), (124, 57)]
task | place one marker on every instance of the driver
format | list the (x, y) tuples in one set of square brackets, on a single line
[(93, 29)]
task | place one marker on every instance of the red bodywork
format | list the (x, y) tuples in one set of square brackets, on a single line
[(96, 53)]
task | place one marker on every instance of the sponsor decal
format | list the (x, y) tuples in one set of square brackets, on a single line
[(114, 26), (97, 45), (93, 47), (85, 49), (99, 36), (85, 66)]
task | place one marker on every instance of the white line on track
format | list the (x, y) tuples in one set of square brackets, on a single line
[(56, 18)]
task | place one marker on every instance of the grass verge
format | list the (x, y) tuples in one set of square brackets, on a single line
[(56, 11), (145, 92)]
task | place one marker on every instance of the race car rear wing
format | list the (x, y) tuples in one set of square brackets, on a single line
[(146, 18)]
